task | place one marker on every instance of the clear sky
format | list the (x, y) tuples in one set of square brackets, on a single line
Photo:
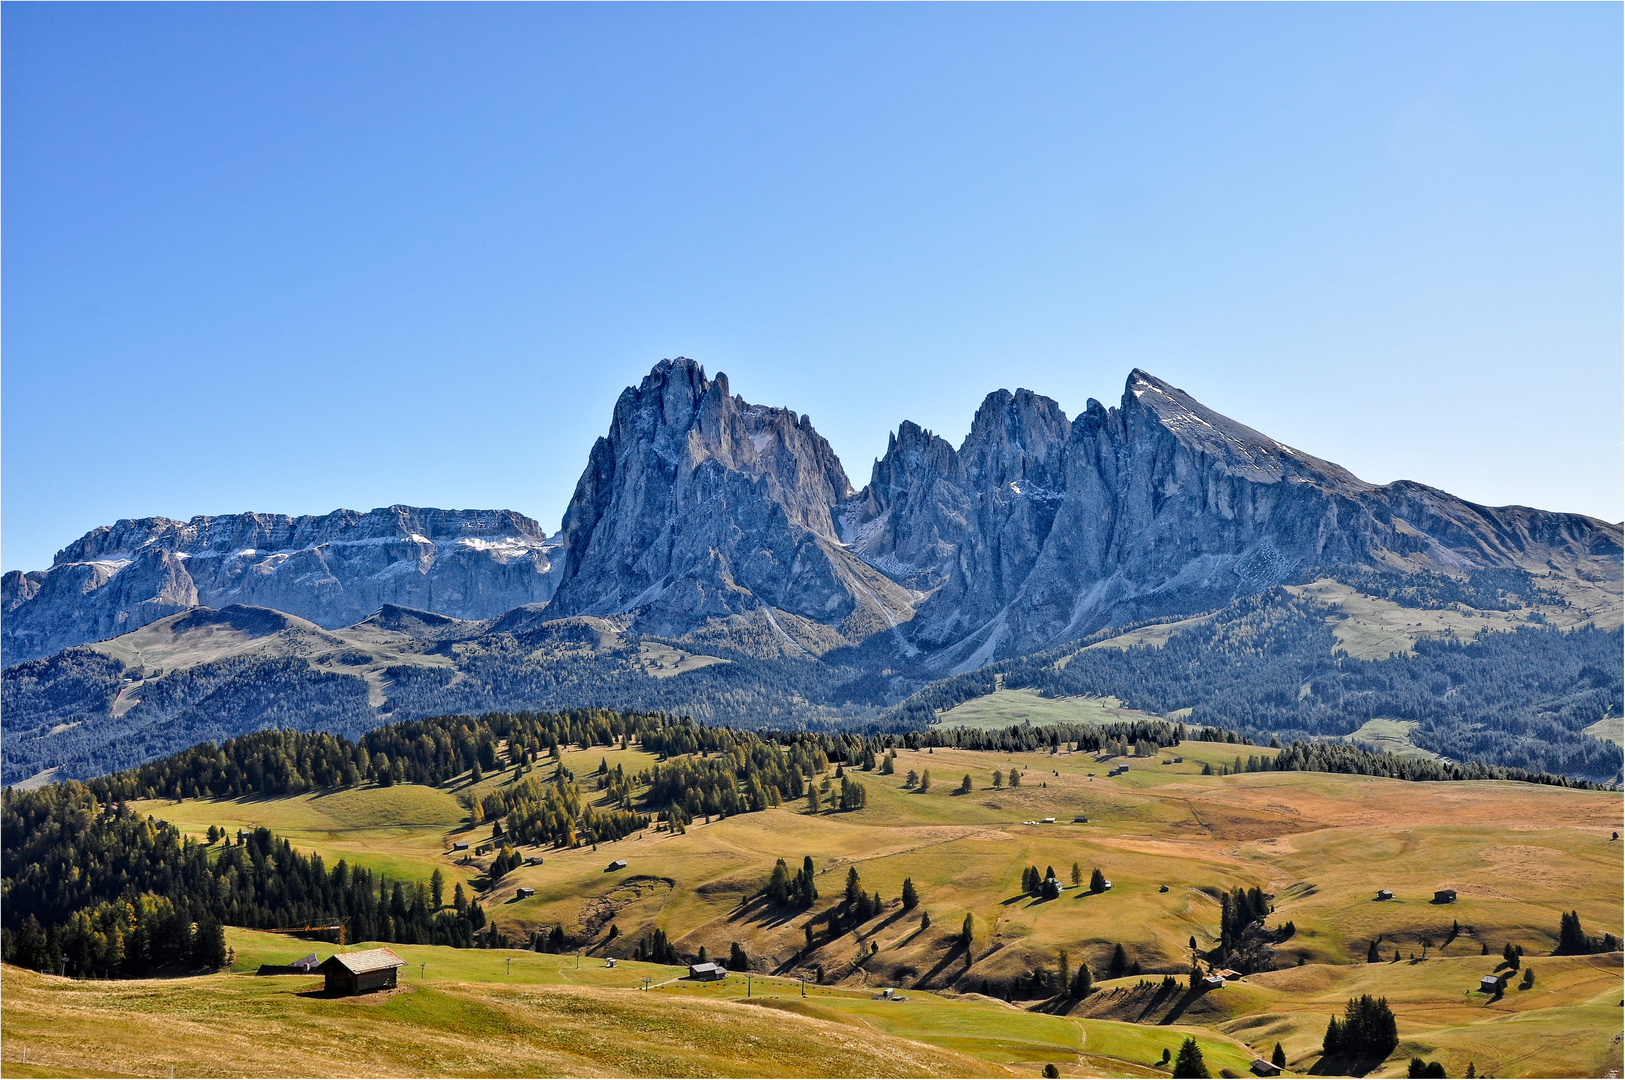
[(298, 257)]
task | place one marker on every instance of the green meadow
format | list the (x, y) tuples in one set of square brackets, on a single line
[(1169, 836)]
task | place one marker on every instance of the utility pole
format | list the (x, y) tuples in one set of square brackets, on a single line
[(803, 986), (422, 967), (510, 965)]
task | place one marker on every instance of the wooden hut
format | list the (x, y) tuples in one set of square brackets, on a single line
[(361, 972), (707, 972), (1444, 896)]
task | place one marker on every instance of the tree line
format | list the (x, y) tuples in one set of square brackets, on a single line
[(120, 894)]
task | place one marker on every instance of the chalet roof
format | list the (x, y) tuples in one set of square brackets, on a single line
[(706, 968), (368, 960)]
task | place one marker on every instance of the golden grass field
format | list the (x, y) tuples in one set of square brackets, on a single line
[(1518, 856)]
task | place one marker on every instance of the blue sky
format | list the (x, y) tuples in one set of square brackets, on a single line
[(292, 258)]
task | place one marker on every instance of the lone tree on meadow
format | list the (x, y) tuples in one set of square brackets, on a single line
[(1189, 1062), (910, 896), (925, 781), (967, 931), (1097, 881), (965, 785), (1077, 875), (1278, 1059)]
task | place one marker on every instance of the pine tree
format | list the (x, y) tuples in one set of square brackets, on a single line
[(1278, 1059), (437, 887), (1189, 1062), (853, 889), (910, 896), (1063, 970), (1119, 965), (965, 785), (1097, 881), (737, 961), (925, 781), (778, 887), (1371, 956), (1077, 875), (1083, 983), (998, 779), (967, 932)]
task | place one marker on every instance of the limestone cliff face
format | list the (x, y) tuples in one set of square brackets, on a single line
[(699, 512), (966, 525), (1037, 531), (334, 570), (702, 517)]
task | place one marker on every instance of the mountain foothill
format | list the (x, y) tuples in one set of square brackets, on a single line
[(715, 560)]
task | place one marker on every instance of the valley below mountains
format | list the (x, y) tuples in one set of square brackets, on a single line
[(715, 560)]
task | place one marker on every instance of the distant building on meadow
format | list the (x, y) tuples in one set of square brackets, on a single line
[(459, 845), (618, 864), (305, 965), (1261, 1067), (525, 892), (1385, 894), (707, 972), (361, 972), (1490, 984), (1444, 896)]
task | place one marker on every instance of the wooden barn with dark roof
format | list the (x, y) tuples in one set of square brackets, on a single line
[(361, 972)]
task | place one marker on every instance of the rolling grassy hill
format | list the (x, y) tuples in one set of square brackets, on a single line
[(1518, 855)]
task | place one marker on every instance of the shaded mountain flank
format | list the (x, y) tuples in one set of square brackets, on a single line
[(715, 559)]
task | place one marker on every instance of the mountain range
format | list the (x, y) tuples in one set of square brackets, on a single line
[(709, 531)]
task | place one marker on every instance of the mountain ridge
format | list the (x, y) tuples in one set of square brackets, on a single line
[(333, 569), (703, 517)]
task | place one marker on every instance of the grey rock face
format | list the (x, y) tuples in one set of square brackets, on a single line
[(334, 570), (1161, 506), (701, 510), (966, 525)]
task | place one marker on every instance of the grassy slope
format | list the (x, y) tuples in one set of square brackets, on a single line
[(1003, 708), (240, 1025), (1518, 855), (1389, 737)]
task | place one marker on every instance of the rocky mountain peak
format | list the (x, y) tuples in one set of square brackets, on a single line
[(333, 569), (699, 508), (1019, 437)]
